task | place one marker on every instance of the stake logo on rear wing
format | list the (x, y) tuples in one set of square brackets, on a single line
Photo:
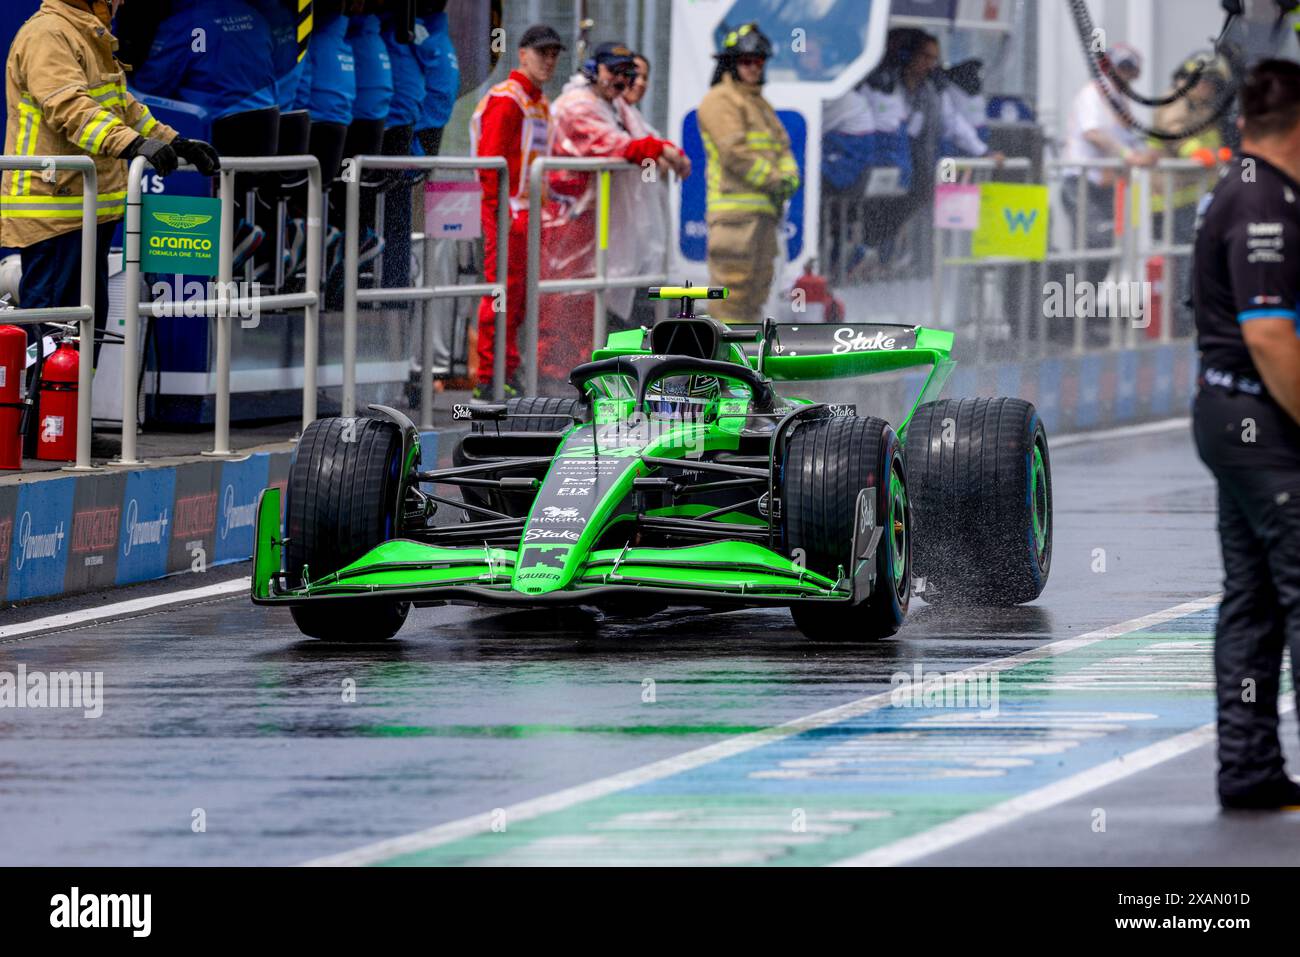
[(836, 340)]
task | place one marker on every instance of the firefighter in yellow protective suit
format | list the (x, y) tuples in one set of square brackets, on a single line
[(751, 173), (67, 96)]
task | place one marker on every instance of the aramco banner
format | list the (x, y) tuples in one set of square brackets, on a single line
[(180, 234)]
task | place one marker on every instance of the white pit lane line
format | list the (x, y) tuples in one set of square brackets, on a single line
[(1068, 439), (124, 609), (964, 828), (912, 847)]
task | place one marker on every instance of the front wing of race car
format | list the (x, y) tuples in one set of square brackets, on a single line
[(723, 573)]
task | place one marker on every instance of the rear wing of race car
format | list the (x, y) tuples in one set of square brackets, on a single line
[(790, 351), (820, 350)]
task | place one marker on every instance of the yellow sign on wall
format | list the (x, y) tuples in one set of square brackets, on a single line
[(1013, 222)]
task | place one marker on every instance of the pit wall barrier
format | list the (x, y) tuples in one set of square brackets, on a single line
[(93, 531), (90, 531), (1073, 393)]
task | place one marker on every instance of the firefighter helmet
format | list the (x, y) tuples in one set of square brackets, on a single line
[(748, 40)]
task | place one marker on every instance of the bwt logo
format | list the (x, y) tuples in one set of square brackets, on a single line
[(142, 533), (95, 530), (32, 547), (235, 516)]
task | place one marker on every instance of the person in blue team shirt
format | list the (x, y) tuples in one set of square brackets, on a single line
[(403, 112), (408, 80), (370, 115), (374, 70), (217, 54), (328, 87), (282, 17), (437, 58)]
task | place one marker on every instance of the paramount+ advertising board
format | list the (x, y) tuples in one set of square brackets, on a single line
[(180, 234)]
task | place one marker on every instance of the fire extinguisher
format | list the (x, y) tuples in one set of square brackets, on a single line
[(13, 356), (1156, 283), (56, 438)]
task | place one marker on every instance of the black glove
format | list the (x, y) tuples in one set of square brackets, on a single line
[(203, 157), (159, 155)]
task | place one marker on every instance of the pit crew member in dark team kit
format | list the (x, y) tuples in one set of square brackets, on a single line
[(1246, 420)]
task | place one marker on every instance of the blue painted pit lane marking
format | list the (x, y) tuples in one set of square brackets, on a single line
[(856, 780)]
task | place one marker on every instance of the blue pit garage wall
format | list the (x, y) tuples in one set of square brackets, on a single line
[(80, 533)]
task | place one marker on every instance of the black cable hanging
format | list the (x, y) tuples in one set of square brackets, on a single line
[(1102, 71)]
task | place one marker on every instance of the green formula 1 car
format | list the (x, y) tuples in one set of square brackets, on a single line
[(676, 476)]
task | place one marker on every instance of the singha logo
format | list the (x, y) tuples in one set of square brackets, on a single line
[(553, 513)]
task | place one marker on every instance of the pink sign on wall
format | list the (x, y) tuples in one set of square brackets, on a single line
[(956, 206), (452, 210)]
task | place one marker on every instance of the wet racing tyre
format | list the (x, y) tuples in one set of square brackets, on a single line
[(342, 502), (982, 494), (827, 462), (562, 408)]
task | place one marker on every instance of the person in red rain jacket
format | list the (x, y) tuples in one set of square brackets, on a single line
[(511, 121)]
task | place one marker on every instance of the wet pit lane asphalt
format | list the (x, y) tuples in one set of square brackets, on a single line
[(285, 750)]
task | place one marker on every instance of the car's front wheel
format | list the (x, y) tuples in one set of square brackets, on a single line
[(343, 501), (827, 463)]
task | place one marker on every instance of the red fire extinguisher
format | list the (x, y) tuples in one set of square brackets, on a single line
[(13, 356), (56, 438), (1156, 282)]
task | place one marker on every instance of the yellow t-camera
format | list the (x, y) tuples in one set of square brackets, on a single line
[(688, 292)]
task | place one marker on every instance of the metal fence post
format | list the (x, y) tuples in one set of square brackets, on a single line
[(499, 329), (936, 280), (602, 248), (225, 278), (426, 341), (532, 294), (131, 313), (1080, 243), (86, 338), (311, 311), (1167, 234), (350, 280)]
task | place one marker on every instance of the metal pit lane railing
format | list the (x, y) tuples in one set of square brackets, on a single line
[(1132, 246), (353, 295), (224, 306), (601, 281), (1169, 170), (83, 314)]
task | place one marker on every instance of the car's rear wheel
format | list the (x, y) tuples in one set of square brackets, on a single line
[(827, 463), (982, 492), (554, 413), (343, 501)]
